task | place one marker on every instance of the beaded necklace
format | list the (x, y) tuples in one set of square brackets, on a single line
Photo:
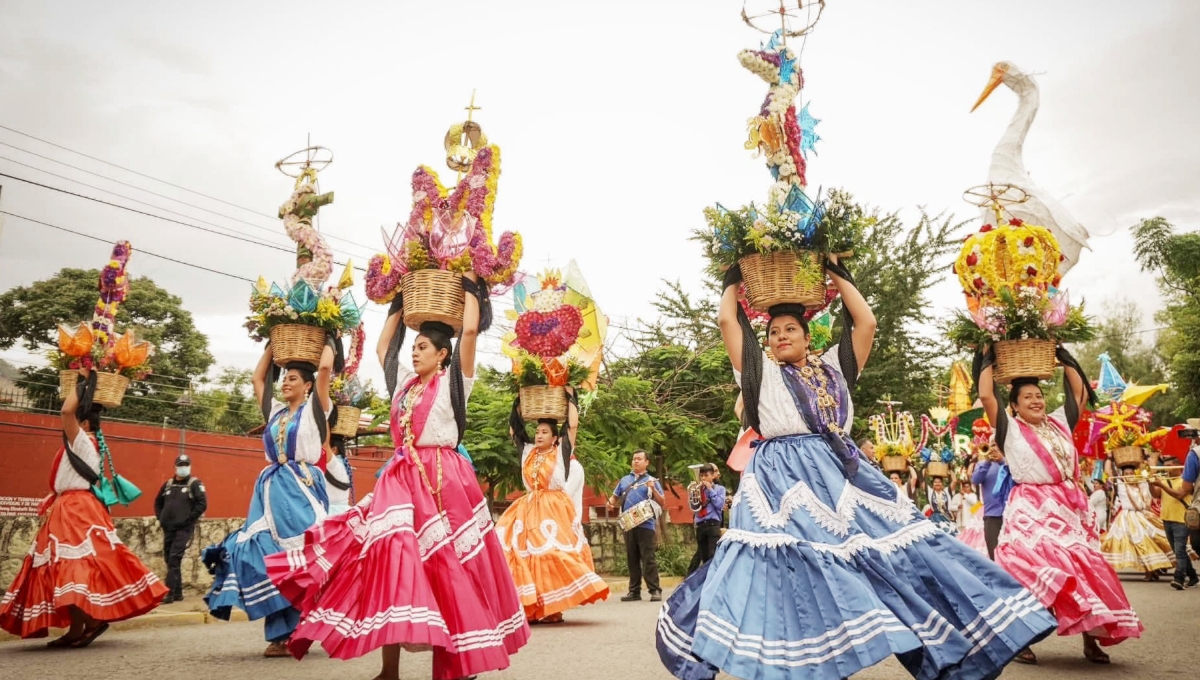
[(281, 436), (1051, 436), (539, 458), (410, 402), (817, 382)]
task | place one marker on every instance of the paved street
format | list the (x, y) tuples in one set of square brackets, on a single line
[(605, 641)]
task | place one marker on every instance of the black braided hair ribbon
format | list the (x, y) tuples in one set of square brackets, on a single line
[(391, 358), (846, 358)]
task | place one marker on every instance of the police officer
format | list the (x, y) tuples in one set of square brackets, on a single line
[(179, 505)]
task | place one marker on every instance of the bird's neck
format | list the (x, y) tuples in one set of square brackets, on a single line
[(1013, 140)]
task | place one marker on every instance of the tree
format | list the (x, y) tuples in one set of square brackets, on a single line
[(229, 406), (496, 460), (30, 315), (1176, 260)]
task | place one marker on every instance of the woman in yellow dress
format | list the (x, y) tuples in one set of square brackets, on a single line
[(541, 532), (1136, 540)]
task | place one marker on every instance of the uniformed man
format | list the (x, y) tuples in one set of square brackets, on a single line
[(179, 505)]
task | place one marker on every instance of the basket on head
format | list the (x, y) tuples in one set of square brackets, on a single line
[(936, 468), (1128, 456), (1024, 359), (347, 421), (432, 295), (297, 342), (543, 401), (894, 463), (110, 387), (784, 277)]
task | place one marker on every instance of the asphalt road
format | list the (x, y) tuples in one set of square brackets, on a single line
[(609, 641)]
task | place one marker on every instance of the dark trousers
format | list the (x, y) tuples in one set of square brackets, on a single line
[(991, 534), (639, 554), (1178, 534), (175, 543), (707, 534)]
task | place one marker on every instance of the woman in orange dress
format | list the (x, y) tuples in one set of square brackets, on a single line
[(541, 532)]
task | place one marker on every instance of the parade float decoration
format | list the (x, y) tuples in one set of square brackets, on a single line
[(1008, 168), (298, 317), (893, 435), (940, 447), (352, 397), (781, 245), (97, 346), (558, 340), (1009, 273), (448, 234), (1121, 428)]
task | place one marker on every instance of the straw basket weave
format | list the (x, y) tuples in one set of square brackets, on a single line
[(432, 295), (1128, 456), (1024, 359), (936, 468), (110, 387), (894, 463), (297, 342), (772, 279), (543, 401), (347, 421)]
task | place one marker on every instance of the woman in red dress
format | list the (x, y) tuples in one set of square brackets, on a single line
[(77, 575)]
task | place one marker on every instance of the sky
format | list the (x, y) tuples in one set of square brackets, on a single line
[(619, 121)]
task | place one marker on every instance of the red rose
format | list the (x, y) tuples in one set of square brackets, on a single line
[(1015, 222), (1061, 257), (1028, 241), (972, 259), (1032, 271), (978, 283), (986, 228)]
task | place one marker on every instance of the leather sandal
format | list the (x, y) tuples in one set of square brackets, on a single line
[(1026, 656), (89, 636), (276, 650)]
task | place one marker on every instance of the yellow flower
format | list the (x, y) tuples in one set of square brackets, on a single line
[(327, 309)]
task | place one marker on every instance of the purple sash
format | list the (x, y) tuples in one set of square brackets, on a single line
[(805, 400)]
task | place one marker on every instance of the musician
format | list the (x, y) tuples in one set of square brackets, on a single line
[(708, 506), (635, 488)]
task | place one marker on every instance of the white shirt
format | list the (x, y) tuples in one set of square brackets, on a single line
[(337, 470), (309, 447), (440, 427), (777, 412), (66, 478)]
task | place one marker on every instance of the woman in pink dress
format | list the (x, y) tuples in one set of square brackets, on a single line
[(1049, 540), (415, 565)]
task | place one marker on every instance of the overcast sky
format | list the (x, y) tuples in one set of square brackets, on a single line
[(619, 121)]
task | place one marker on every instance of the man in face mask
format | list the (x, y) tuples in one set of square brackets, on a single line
[(179, 505)]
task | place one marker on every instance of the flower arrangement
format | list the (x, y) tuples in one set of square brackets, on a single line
[(332, 309), (96, 345), (1009, 275), (546, 330), (937, 436), (530, 371), (354, 393), (450, 231)]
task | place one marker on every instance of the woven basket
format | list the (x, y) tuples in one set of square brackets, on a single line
[(297, 342), (543, 401), (110, 387), (1024, 359), (432, 295), (1128, 456), (771, 280), (347, 421), (894, 463), (936, 468)]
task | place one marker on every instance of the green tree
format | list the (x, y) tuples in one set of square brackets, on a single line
[(1136, 358), (227, 405), (30, 315), (1175, 258), (496, 460)]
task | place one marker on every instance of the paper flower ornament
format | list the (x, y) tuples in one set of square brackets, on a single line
[(1013, 255), (130, 352), (75, 343)]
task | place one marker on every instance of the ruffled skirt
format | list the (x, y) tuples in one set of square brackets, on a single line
[(1136, 541), (76, 560), (399, 569), (548, 554), (972, 532), (818, 577), (1049, 544)]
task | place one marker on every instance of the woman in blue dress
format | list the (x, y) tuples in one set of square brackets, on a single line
[(826, 569), (289, 497)]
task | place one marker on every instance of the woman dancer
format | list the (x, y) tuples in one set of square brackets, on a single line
[(289, 497), (970, 519), (1048, 541), (939, 508), (415, 564), (1136, 541), (541, 533), (77, 575), (826, 569)]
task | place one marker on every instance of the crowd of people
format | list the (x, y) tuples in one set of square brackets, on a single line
[(827, 566)]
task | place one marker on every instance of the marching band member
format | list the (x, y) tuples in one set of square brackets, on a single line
[(707, 500), (634, 494)]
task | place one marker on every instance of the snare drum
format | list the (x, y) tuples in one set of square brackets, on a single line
[(635, 516)]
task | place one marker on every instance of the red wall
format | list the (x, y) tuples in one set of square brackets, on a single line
[(145, 455)]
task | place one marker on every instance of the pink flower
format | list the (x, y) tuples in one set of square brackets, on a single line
[(1056, 314)]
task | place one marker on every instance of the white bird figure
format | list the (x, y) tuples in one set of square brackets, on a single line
[(1008, 167)]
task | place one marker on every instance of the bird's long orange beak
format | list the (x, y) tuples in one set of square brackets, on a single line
[(993, 83)]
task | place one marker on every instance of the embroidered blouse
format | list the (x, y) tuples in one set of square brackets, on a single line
[(1025, 465), (777, 412), (440, 427), (308, 448), (65, 477)]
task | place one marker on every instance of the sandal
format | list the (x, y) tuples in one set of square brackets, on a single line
[(1093, 653), (89, 636), (64, 641), (276, 650), (1026, 656), (553, 618)]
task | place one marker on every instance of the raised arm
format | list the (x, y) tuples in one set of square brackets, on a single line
[(1075, 389), (260, 374), (470, 331), (987, 396), (70, 422), (324, 374), (731, 332), (386, 335), (865, 324)]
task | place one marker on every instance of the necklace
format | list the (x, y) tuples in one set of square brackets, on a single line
[(281, 435), (1062, 457), (539, 458), (410, 402), (817, 382)]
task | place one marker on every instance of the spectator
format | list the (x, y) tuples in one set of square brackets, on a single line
[(1176, 493), (179, 505)]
